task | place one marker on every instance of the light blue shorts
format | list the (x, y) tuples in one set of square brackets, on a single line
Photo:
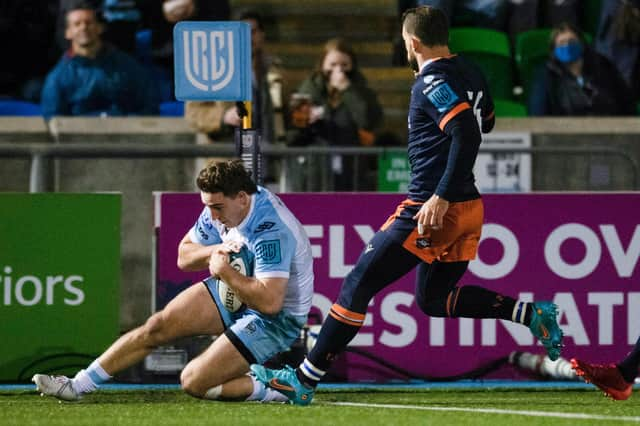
[(258, 337)]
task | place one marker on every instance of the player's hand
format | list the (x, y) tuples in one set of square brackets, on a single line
[(232, 118), (218, 261), (339, 79), (431, 214)]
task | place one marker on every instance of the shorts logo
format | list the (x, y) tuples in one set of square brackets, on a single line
[(442, 97), (423, 243), (269, 252)]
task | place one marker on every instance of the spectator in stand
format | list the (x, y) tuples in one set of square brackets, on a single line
[(343, 111), (94, 77), (618, 38), (577, 81), (121, 20)]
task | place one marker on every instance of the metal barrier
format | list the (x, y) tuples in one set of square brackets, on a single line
[(39, 153)]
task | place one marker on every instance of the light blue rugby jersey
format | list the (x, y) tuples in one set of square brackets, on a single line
[(276, 238)]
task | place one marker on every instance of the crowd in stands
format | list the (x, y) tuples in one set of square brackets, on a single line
[(115, 58)]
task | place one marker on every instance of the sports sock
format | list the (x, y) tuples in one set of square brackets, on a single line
[(264, 394), (478, 302), (90, 379), (629, 366), (337, 331), (522, 313)]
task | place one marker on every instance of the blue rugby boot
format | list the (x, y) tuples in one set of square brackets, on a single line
[(544, 326), (284, 381)]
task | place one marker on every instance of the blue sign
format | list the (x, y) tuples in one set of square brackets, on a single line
[(212, 61)]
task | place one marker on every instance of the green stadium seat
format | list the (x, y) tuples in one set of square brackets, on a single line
[(591, 16), (531, 50), (491, 50), (508, 108)]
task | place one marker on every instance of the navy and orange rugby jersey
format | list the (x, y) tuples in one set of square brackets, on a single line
[(448, 92)]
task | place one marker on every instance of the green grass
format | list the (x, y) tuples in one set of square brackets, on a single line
[(170, 407)]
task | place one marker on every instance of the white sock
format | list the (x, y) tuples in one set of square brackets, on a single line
[(273, 395), (263, 394), (311, 371), (90, 379), (519, 311)]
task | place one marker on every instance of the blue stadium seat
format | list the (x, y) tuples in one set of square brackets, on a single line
[(19, 108), (172, 109)]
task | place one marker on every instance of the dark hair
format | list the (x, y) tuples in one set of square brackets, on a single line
[(229, 177), (83, 5), (429, 24), (566, 26), (342, 46), (254, 16)]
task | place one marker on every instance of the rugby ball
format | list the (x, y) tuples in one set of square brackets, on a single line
[(243, 263)]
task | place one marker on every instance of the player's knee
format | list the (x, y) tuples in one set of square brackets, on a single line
[(190, 383), (155, 330), (431, 306)]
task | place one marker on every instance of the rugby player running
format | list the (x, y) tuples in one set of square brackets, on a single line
[(438, 227)]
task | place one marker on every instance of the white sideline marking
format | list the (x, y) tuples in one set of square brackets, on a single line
[(581, 416)]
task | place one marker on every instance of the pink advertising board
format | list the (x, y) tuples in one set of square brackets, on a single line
[(579, 250)]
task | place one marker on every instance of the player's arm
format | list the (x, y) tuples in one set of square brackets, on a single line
[(465, 140), (198, 244), (264, 294), (193, 256)]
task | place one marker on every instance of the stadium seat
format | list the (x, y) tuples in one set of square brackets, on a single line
[(508, 108), (172, 109), (19, 108), (531, 50), (591, 17), (491, 50)]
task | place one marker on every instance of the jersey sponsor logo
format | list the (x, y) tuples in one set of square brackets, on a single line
[(269, 252), (442, 97), (202, 233), (264, 226)]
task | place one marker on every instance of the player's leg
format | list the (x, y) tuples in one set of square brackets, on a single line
[(192, 312), (221, 371), (383, 261), (615, 380)]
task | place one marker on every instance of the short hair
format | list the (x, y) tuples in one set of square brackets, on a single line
[(83, 5), (564, 27), (229, 177), (429, 24), (254, 16)]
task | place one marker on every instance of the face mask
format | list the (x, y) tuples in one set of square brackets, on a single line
[(568, 53)]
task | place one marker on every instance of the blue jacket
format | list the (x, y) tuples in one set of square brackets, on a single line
[(113, 83)]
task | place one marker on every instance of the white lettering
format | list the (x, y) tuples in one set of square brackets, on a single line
[(625, 262), (315, 231), (7, 286), (605, 301), (37, 293), (436, 331), (510, 253), (574, 327), (68, 285), (405, 322), (591, 257), (633, 317), (51, 282)]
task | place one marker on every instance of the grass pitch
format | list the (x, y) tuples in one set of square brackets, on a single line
[(360, 407)]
